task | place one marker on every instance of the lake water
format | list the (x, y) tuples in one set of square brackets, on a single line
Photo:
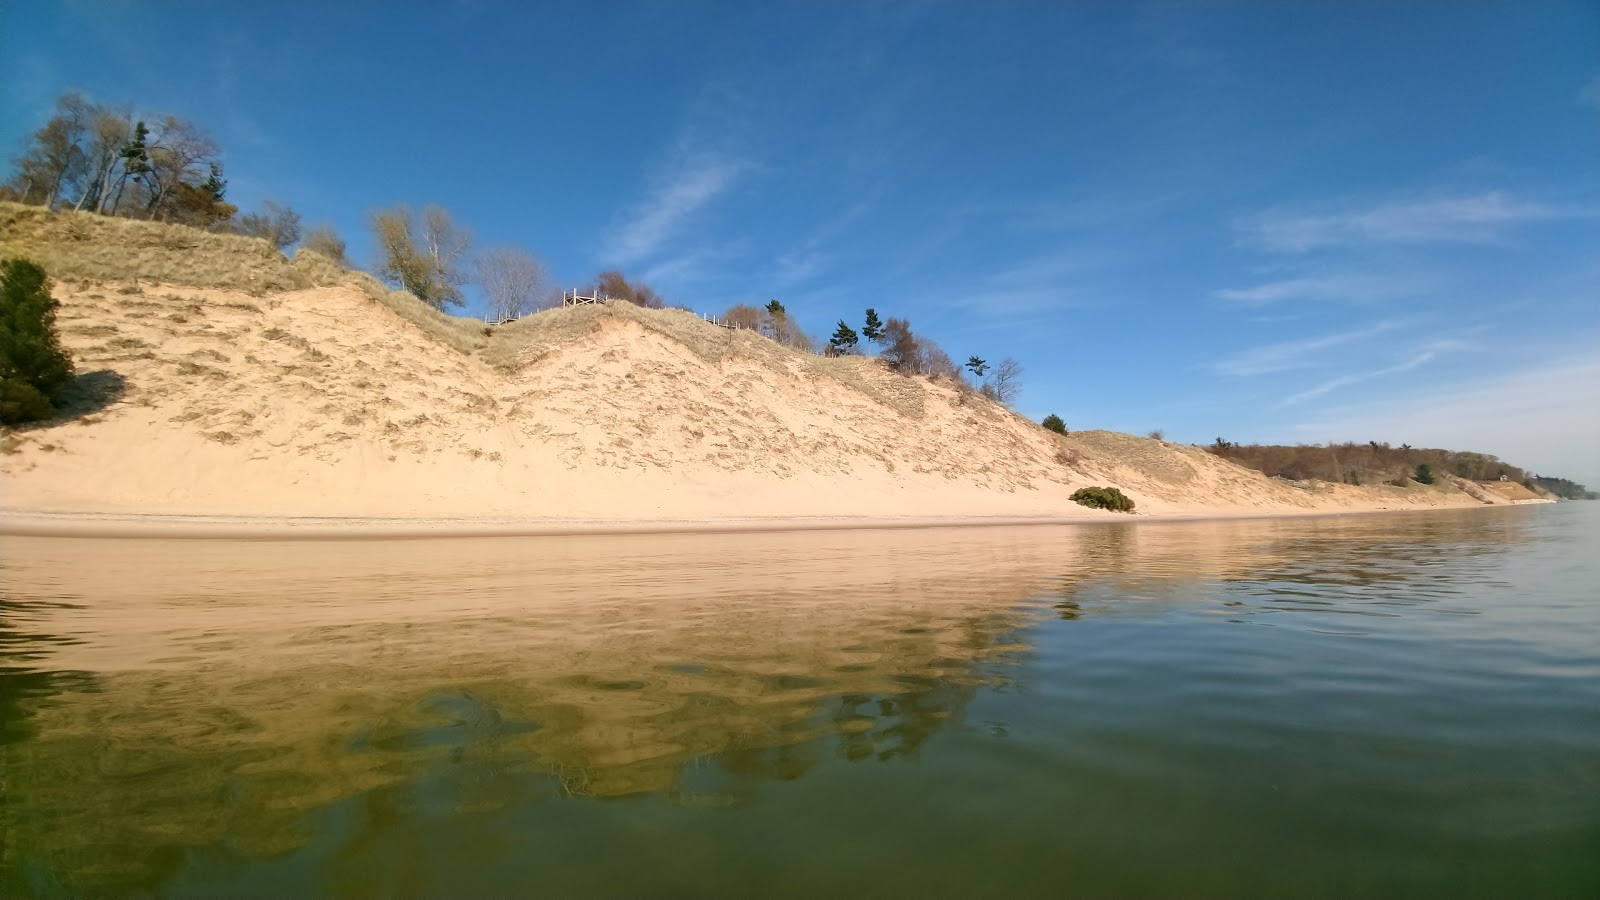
[(1392, 705)]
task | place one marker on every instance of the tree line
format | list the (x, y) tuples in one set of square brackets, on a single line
[(1372, 462), (109, 160), (901, 349)]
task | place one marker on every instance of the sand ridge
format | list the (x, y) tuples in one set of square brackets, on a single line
[(322, 402)]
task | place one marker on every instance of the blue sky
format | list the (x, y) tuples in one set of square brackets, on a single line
[(1266, 221)]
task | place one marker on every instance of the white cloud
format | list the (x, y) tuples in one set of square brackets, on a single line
[(1545, 417), (1296, 354), (1472, 219), (1333, 384), (1353, 288), (691, 184)]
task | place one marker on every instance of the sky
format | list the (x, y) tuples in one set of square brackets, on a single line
[(1274, 222)]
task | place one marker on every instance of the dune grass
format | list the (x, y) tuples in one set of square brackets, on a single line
[(89, 247)]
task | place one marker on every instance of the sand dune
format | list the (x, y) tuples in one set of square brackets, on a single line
[(337, 402)]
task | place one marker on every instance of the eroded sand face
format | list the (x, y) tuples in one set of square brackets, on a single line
[(322, 403)]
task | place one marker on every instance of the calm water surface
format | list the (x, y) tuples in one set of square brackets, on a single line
[(1390, 705)]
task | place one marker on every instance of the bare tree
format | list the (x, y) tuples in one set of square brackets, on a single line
[(743, 315), (276, 223), (938, 363), (110, 132), (612, 284), (180, 153), (54, 160), (324, 240), (1006, 382), (901, 349), (427, 258), (514, 280)]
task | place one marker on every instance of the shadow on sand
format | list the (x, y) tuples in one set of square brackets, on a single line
[(89, 393)]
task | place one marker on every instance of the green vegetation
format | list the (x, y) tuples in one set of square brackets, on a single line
[(1424, 474), (873, 330), (1372, 462), (1561, 487), (1103, 498), (426, 255), (33, 367), (1053, 422), (92, 170), (844, 339)]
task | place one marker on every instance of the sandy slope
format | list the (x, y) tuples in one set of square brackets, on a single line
[(324, 403)]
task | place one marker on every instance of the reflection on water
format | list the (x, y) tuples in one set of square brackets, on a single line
[(460, 715)]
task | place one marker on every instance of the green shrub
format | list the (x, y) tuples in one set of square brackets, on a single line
[(1103, 498), (1425, 474), (1053, 422), (33, 367)]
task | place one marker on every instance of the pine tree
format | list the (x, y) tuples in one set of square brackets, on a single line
[(844, 339), (978, 366), (135, 161), (873, 330), (33, 367)]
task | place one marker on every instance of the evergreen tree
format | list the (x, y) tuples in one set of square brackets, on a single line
[(33, 367), (1053, 422), (844, 339), (1425, 473), (977, 366), (873, 330), (135, 156)]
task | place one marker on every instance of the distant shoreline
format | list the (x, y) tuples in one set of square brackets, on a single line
[(51, 523)]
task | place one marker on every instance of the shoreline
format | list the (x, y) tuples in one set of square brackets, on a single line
[(60, 523)]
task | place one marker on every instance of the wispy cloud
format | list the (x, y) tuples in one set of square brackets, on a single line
[(1352, 288), (1037, 286), (1417, 359), (1297, 354), (1590, 95), (808, 259), (1333, 384), (693, 181), (1471, 219), (1543, 417)]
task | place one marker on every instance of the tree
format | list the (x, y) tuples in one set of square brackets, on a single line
[(513, 279), (1424, 474), (276, 223), (33, 367), (612, 284), (776, 324), (180, 153), (53, 159), (844, 339), (324, 240), (1054, 423), (743, 315), (900, 347), (201, 205), (873, 330), (135, 157), (425, 257), (977, 366), (110, 132), (1007, 381), (938, 363)]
